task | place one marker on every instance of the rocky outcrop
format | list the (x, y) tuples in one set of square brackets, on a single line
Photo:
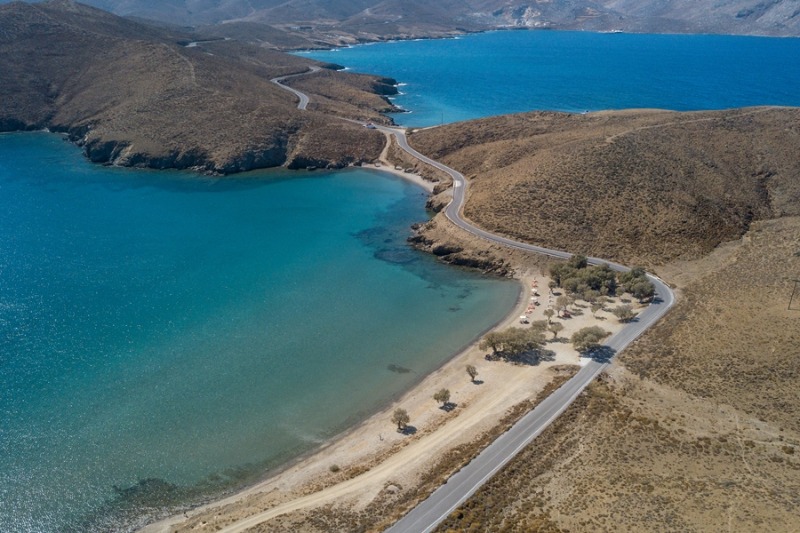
[(12, 124), (451, 252)]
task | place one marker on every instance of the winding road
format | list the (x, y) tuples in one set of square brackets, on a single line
[(303, 103), (428, 514)]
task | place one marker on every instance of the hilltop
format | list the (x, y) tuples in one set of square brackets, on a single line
[(639, 187), (135, 94)]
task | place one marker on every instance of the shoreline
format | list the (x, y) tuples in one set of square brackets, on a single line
[(382, 413), (460, 34), (371, 455), (410, 177)]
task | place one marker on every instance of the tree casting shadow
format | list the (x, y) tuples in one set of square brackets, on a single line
[(532, 358), (601, 354)]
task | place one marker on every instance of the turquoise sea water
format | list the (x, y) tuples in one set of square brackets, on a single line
[(514, 71), (193, 332), (165, 336)]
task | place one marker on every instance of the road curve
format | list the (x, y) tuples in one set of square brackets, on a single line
[(303, 102), (428, 514), (432, 511)]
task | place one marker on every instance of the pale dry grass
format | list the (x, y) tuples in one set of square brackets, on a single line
[(640, 187), (700, 434)]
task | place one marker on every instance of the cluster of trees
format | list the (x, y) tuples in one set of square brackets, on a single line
[(587, 339), (577, 277), (515, 341), (592, 283), (579, 280), (636, 283)]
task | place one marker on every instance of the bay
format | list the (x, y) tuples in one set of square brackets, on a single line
[(500, 72), (166, 336)]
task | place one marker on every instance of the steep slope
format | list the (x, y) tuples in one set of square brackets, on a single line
[(635, 186), (133, 96)]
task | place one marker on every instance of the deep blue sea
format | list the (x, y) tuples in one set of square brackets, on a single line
[(502, 72), (189, 332)]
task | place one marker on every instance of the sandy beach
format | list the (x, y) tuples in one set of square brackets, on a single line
[(385, 165), (374, 462)]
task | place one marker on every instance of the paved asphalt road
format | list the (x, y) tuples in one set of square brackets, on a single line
[(303, 103), (428, 514)]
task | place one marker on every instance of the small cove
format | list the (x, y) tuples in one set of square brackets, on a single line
[(166, 336)]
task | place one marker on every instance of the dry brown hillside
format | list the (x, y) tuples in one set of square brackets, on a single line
[(348, 95), (636, 186), (136, 95), (698, 431)]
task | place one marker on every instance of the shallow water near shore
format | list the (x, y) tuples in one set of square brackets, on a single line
[(500, 72), (166, 336)]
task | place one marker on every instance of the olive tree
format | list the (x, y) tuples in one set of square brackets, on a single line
[(473, 372), (586, 339), (515, 341), (624, 313), (401, 418), (562, 302), (443, 397), (555, 329)]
